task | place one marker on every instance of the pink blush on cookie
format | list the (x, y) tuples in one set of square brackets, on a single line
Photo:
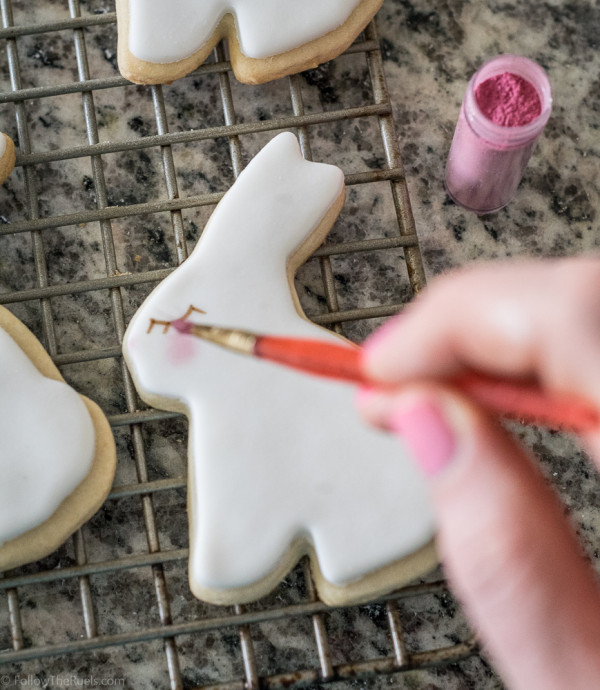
[(182, 350)]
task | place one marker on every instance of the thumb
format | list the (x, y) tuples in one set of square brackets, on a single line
[(507, 549)]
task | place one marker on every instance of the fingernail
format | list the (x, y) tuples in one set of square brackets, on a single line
[(427, 434)]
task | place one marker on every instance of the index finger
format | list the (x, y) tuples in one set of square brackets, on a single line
[(534, 319)]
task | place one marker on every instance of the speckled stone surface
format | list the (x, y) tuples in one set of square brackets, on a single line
[(430, 51)]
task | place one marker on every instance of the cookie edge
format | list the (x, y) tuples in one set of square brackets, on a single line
[(8, 159), (246, 69)]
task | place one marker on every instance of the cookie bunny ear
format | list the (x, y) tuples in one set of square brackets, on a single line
[(278, 201)]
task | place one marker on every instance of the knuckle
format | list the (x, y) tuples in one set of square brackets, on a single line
[(578, 300), (579, 281)]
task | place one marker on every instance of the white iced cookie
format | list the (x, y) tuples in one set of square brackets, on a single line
[(57, 453), (7, 156), (163, 40), (279, 463)]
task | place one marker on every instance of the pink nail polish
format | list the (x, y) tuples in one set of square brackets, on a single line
[(427, 434)]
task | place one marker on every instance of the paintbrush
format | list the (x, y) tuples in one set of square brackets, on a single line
[(522, 401)]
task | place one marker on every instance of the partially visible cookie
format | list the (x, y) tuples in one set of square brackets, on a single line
[(57, 452), (7, 156), (160, 40)]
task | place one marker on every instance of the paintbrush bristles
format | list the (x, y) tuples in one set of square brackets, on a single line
[(182, 326), (237, 341)]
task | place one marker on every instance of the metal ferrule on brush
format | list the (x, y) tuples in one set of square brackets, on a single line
[(235, 340)]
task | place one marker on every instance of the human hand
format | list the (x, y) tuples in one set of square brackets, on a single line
[(508, 551)]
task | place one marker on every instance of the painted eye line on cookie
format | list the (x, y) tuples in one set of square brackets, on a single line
[(167, 324)]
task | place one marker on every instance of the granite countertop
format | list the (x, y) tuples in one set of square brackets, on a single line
[(430, 51), (430, 56)]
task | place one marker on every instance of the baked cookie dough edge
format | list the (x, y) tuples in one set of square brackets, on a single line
[(373, 585), (8, 158), (246, 69), (88, 496)]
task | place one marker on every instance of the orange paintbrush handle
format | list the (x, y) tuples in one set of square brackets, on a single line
[(513, 399), (526, 402), (313, 356)]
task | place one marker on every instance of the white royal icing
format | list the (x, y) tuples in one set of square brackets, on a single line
[(47, 442), (163, 31), (274, 454)]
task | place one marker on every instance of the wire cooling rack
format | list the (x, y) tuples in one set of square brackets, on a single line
[(113, 185)]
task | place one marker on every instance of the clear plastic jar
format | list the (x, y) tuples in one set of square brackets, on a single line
[(486, 160)]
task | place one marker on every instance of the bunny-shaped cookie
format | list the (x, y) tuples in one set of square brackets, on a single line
[(279, 463)]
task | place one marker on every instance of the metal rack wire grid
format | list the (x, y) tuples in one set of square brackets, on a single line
[(113, 185)]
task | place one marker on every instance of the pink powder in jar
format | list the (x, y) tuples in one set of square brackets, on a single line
[(506, 106), (508, 100)]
